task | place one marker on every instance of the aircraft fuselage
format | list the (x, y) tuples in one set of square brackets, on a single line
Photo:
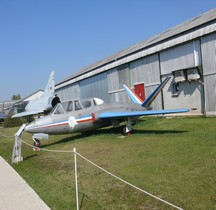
[(79, 116)]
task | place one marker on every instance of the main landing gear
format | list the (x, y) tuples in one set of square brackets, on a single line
[(128, 128)]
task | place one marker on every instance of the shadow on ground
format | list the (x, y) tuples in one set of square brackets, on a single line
[(111, 130)]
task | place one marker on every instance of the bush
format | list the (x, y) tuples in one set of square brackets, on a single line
[(12, 122)]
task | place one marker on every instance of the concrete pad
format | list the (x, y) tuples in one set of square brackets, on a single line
[(15, 193)]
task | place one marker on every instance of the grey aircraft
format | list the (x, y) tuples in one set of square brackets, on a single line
[(90, 114)]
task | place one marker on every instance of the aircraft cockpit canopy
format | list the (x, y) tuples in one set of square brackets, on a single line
[(75, 105), (58, 109)]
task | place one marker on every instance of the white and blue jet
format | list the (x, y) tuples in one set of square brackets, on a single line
[(90, 114), (43, 104)]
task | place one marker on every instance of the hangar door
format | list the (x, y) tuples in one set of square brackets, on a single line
[(95, 86), (140, 90)]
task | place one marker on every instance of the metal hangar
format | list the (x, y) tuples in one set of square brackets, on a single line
[(187, 52)]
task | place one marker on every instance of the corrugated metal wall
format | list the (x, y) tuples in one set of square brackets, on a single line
[(117, 77), (190, 93), (69, 92), (147, 71), (95, 86), (208, 44), (181, 57)]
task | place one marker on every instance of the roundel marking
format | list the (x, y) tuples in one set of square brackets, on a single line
[(72, 121)]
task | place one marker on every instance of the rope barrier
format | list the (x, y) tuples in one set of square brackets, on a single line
[(166, 202), (47, 150), (120, 179), (6, 135)]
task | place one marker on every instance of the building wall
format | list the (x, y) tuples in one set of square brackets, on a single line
[(95, 86), (147, 71), (69, 92), (116, 77), (209, 72), (190, 96), (180, 57), (190, 93)]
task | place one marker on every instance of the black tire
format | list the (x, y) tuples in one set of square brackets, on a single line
[(124, 131)]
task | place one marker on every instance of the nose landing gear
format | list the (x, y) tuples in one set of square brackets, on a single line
[(36, 143), (36, 139)]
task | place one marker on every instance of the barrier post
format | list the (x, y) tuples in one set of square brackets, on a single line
[(17, 149), (76, 179)]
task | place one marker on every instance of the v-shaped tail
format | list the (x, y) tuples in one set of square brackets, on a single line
[(147, 102)]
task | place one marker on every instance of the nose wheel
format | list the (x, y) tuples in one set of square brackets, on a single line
[(36, 143)]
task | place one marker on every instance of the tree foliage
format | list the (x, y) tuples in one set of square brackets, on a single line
[(16, 97), (12, 122)]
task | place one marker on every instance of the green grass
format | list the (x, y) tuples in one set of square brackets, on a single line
[(174, 159)]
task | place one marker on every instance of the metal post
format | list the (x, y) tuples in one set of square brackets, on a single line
[(76, 179), (17, 154)]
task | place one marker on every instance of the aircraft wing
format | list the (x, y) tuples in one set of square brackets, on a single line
[(26, 113), (112, 115)]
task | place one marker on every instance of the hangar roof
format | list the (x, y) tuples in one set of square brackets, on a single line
[(181, 29)]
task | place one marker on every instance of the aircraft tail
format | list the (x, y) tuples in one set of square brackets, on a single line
[(50, 86), (147, 102), (133, 96), (152, 97)]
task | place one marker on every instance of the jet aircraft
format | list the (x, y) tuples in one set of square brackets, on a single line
[(43, 104), (90, 114)]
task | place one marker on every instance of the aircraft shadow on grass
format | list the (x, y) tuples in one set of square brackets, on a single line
[(111, 131), (158, 131)]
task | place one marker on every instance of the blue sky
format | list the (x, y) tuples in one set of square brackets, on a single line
[(38, 36)]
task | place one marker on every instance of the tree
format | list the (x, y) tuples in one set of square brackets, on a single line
[(16, 97)]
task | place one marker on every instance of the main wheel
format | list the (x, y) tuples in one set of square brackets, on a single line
[(126, 132)]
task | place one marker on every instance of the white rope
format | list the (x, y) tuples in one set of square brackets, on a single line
[(48, 150), (6, 135), (70, 151), (166, 202)]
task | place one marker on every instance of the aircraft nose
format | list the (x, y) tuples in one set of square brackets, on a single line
[(29, 128)]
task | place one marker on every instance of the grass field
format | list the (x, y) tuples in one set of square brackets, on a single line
[(174, 159)]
